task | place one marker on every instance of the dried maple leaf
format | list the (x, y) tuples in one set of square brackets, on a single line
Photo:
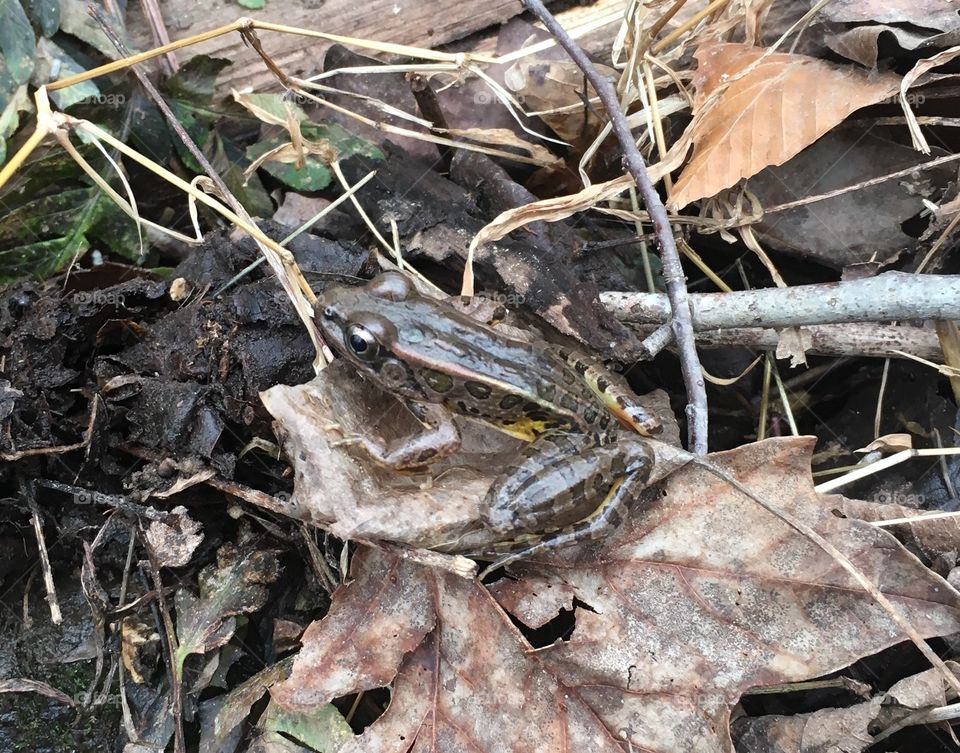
[(752, 111), (701, 595)]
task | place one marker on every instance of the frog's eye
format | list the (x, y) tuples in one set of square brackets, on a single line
[(361, 342)]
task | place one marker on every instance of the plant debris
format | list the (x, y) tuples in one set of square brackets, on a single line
[(747, 211)]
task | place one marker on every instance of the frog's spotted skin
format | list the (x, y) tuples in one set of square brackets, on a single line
[(579, 466)]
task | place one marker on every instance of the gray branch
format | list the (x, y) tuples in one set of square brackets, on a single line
[(891, 296), (852, 339)]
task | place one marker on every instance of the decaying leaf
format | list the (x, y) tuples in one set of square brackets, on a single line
[(753, 110), (843, 231), (850, 729), (236, 585), (555, 90), (383, 615), (174, 539), (701, 595)]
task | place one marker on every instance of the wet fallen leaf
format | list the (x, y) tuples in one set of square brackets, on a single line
[(236, 585), (745, 120), (701, 595)]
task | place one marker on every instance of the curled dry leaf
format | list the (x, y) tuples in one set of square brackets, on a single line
[(701, 595), (848, 729), (753, 110), (889, 443)]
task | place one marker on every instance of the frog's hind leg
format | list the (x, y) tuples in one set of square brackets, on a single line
[(605, 518)]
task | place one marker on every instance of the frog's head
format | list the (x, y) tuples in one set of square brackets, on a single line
[(360, 323)]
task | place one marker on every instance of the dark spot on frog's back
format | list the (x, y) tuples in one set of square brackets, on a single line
[(437, 381), (547, 391), (478, 390), (509, 402)]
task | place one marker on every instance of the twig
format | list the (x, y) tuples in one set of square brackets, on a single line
[(886, 297), (681, 321), (170, 643), (871, 340), (26, 488)]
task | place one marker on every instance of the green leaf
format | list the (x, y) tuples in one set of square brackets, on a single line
[(44, 14), (312, 176), (195, 80), (345, 143), (252, 4), (10, 118), (56, 58), (228, 161), (41, 236), (235, 585), (75, 20), (17, 50)]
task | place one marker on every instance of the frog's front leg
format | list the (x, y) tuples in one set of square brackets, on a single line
[(439, 439), (572, 488)]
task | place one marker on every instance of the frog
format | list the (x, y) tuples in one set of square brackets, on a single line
[(586, 453)]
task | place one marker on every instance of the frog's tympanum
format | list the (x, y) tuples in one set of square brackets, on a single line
[(570, 482)]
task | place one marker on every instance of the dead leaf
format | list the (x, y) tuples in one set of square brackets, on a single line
[(700, 595), (543, 85), (934, 536), (236, 585), (843, 729), (753, 111), (913, 24), (889, 443), (380, 617), (176, 538), (473, 667), (842, 230)]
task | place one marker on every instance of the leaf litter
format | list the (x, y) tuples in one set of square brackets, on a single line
[(654, 637)]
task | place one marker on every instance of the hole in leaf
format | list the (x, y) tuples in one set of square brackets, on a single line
[(363, 709)]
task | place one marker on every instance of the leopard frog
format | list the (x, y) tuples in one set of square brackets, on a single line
[(581, 465)]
